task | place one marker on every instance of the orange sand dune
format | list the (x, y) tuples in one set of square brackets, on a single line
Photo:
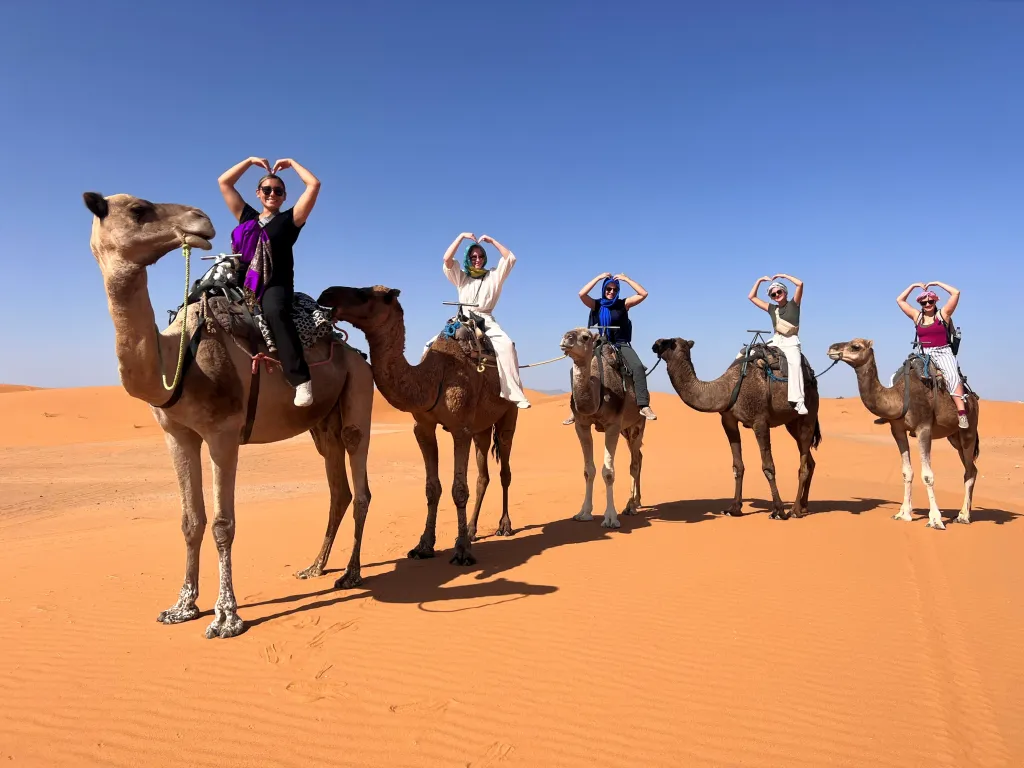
[(682, 639)]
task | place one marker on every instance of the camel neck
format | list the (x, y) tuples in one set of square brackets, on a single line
[(704, 396), (406, 387), (882, 401), (586, 388)]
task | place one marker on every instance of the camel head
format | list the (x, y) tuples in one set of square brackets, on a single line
[(667, 349), (578, 344), (854, 353), (129, 231), (365, 308)]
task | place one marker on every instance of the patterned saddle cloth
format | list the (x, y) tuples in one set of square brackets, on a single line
[(771, 359), (469, 331), (219, 289)]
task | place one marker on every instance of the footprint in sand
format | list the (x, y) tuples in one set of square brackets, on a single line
[(321, 636), (497, 753), (272, 654), (428, 705), (316, 690)]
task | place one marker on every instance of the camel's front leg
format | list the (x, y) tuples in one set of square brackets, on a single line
[(460, 495), (185, 447), (611, 441), (426, 437), (224, 453), (764, 441), (899, 434), (506, 432), (635, 440), (586, 439), (356, 416), (732, 431), (482, 441), (924, 442), (965, 444)]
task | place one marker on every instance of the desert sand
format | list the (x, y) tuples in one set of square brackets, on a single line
[(683, 639)]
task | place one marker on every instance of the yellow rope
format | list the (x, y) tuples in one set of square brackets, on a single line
[(186, 251)]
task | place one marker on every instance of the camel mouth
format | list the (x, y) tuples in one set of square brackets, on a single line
[(197, 241)]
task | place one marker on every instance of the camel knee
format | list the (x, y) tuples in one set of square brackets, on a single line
[(193, 529), (351, 436), (506, 478), (460, 493), (769, 472), (589, 471), (362, 503), (433, 491), (608, 473), (223, 532), (908, 475)]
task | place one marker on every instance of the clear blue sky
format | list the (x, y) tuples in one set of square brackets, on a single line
[(695, 146)]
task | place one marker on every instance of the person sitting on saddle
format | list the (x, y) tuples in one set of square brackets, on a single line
[(269, 235), (785, 315), (610, 315), (479, 290), (932, 326)]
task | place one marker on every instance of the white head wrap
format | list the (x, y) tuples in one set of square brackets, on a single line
[(779, 286)]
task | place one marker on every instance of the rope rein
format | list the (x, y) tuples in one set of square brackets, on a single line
[(186, 251)]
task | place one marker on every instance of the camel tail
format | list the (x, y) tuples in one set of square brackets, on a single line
[(977, 447), (496, 444), (816, 439)]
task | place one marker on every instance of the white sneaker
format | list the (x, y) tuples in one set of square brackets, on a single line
[(304, 394), (801, 408), (647, 413), (963, 422), (524, 404), (570, 421)]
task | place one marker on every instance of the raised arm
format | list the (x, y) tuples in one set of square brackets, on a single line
[(506, 254), (449, 255), (954, 298), (641, 294), (230, 177), (759, 302), (908, 310), (586, 289), (798, 294), (306, 201)]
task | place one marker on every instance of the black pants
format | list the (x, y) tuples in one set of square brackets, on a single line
[(639, 374), (277, 311)]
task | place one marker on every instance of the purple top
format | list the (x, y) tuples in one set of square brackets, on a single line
[(933, 335)]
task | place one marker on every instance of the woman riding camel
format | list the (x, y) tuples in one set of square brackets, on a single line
[(785, 315), (479, 290), (272, 280), (932, 325), (610, 314)]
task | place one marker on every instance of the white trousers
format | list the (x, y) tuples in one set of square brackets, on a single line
[(790, 347), (508, 360), (945, 361)]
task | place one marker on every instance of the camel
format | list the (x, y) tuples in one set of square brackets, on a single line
[(601, 399), (921, 411), (759, 404), (130, 234), (446, 387)]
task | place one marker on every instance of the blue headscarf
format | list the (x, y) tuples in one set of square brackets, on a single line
[(604, 314), (468, 267)]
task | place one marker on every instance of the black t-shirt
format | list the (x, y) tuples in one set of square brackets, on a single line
[(620, 317), (282, 233)]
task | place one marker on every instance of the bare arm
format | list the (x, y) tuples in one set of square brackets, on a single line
[(798, 294), (586, 289), (908, 310), (508, 259), (954, 298), (449, 255), (230, 177), (641, 294), (758, 302), (306, 201)]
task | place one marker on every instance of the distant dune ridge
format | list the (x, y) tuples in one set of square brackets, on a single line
[(683, 638)]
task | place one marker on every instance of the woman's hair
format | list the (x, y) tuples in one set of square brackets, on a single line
[(476, 247), (268, 177)]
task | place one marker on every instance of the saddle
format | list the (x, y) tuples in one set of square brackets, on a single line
[(469, 331), (922, 367), (775, 365)]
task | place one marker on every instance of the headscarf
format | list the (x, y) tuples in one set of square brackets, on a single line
[(928, 295), (604, 314), (779, 286), (250, 241), (468, 266)]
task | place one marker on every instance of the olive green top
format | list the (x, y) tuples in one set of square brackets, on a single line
[(790, 313)]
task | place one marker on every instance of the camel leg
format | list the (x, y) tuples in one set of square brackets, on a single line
[(460, 495), (355, 436), (185, 447), (586, 438), (426, 437), (327, 439), (482, 441), (611, 441), (924, 442), (899, 434), (764, 441), (224, 453), (802, 432), (506, 434), (965, 443), (732, 431), (634, 439)]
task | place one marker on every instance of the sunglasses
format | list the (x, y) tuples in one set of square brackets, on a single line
[(928, 303), (268, 191), (776, 295)]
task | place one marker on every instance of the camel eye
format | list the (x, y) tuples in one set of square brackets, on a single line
[(139, 211), (855, 347)]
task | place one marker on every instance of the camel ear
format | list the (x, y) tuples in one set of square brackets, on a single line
[(687, 344), (96, 203), (869, 343), (395, 293), (391, 295)]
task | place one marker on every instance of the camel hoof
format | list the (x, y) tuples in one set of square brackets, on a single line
[(733, 511), (504, 529), (938, 525), (313, 572), (611, 522), (229, 626), (583, 517), (462, 557), (421, 553), (778, 514), (349, 580), (630, 510), (963, 520), (178, 615), (904, 516)]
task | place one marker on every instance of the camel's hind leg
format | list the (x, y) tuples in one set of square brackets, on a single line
[(635, 440), (356, 418), (966, 443), (426, 436), (732, 431), (224, 454), (482, 441), (185, 447), (802, 430), (899, 434), (924, 443), (505, 433), (763, 434), (586, 439), (327, 439), (611, 441), (460, 495)]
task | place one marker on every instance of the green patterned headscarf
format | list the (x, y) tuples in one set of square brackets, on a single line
[(468, 267)]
